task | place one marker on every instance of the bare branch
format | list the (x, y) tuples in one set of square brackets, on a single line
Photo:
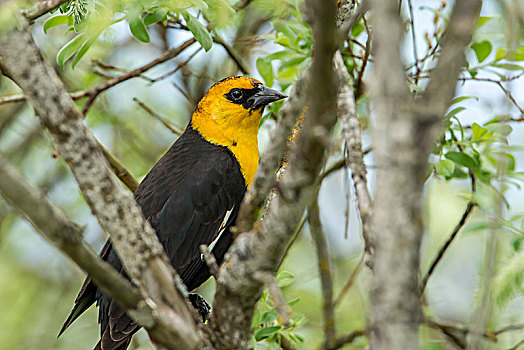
[(93, 93), (283, 309), (41, 8), (346, 339), (117, 212), (324, 269), (350, 281), (401, 165), (261, 250), (173, 128), (52, 223), (355, 156)]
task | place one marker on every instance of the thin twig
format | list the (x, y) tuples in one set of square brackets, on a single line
[(446, 245), (281, 306), (93, 93), (414, 39), (324, 269), (173, 128), (350, 281), (346, 339), (242, 66), (367, 52), (465, 215), (178, 67)]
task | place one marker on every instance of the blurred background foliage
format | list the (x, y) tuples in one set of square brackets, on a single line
[(478, 160)]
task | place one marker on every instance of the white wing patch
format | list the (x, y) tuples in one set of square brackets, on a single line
[(221, 230)]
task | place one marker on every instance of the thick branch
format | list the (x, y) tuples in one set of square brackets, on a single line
[(52, 223), (115, 209), (41, 8), (406, 131), (261, 250)]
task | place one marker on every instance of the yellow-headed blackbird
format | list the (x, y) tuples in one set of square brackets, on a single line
[(192, 195)]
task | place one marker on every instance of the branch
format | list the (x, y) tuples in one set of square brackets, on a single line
[(116, 211), (173, 128), (262, 249), (52, 223), (355, 157), (93, 93), (324, 270), (406, 131), (346, 339), (41, 8)]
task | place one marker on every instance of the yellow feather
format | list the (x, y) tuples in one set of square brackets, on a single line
[(228, 124)]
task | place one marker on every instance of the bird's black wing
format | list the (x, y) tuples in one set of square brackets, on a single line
[(186, 197)]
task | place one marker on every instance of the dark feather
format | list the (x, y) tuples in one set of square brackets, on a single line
[(185, 197)]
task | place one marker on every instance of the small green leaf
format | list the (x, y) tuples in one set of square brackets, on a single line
[(509, 66), (454, 112), (83, 50), (445, 168), (255, 322), (462, 98), (55, 22), (199, 31), (482, 50), (478, 131), (481, 21), (154, 17), (293, 301), (266, 332), (266, 70), (463, 159), (138, 28), (69, 49), (268, 317), (501, 54), (285, 278)]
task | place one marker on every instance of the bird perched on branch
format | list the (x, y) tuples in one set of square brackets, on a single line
[(191, 196)]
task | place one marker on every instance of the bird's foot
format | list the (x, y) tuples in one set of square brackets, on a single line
[(200, 304)]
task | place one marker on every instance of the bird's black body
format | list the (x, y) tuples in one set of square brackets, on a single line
[(190, 197)]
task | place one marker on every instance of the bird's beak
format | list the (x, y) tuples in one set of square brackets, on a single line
[(265, 96)]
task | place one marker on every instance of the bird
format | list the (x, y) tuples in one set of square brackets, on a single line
[(191, 197)]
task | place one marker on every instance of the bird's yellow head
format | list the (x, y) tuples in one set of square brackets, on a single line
[(229, 114)]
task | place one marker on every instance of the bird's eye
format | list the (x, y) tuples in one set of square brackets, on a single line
[(236, 94)]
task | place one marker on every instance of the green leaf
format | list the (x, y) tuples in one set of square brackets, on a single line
[(509, 66), (478, 131), (255, 322), (445, 168), (199, 31), (154, 17), (481, 21), (266, 332), (266, 70), (55, 21), (482, 50), (463, 159), (83, 50), (285, 278), (501, 54), (69, 49), (268, 317), (138, 28), (455, 111), (462, 98), (500, 128)]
